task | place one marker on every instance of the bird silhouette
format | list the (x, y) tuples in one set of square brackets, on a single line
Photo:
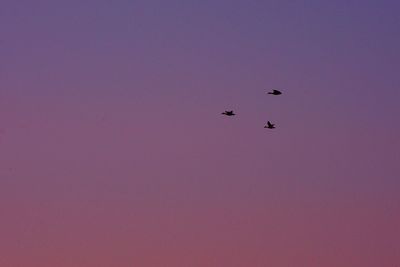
[(275, 92), (269, 125), (228, 113)]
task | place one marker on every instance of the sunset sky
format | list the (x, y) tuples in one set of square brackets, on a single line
[(114, 152)]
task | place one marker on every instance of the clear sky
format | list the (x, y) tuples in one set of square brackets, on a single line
[(114, 152)]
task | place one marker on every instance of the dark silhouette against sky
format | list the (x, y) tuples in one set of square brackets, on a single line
[(165, 180)]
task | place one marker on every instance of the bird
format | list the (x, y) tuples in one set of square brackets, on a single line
[(275, 92), (269, 125), (228, 113)]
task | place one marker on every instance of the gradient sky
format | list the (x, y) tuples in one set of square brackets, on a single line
[(114, 152)]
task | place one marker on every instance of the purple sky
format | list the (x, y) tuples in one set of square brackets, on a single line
[(114, 152)]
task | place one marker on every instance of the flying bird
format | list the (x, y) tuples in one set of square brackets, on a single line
[(269, 125), (275, 92), (228, 113)]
